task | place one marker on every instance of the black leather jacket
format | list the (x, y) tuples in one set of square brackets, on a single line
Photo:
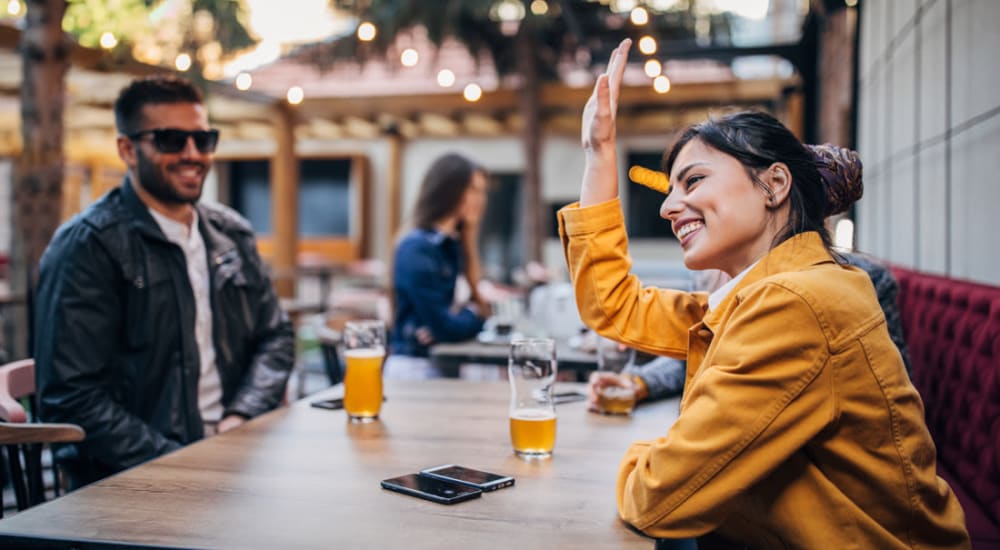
[(114, 347)]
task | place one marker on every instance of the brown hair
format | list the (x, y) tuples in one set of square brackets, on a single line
[(442, 189), (827, 179)]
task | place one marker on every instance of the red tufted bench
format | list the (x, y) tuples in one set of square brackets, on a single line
[(952, 328)]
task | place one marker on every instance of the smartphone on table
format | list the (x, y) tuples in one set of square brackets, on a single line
[(432, 489), (331, 404), (484, 481), (334, 404)]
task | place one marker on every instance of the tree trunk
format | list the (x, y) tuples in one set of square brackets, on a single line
[(531, 183), (38, 173)]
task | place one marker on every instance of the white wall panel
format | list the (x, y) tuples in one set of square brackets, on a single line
[(976, 69), (932, 71), (930, 203), (976, 203)]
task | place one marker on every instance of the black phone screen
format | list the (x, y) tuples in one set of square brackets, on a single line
[(436, 490), (332, 404), (486, 481)]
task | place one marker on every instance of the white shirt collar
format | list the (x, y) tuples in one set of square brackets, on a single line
[(716, 298), (174, 230)]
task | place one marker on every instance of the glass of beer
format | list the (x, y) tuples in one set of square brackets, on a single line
[(614, 357), (364, 351), (532, 371)]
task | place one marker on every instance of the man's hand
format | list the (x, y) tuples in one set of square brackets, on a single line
[(230, 422)]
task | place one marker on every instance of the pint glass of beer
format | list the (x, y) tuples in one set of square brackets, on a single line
[(364, 351), (614, 357), (532, 371)]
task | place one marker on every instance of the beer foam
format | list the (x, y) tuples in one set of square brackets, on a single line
[(365, 353), (532, 415)]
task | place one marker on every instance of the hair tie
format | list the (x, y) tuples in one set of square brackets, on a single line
[(653, 179), (840, 171)]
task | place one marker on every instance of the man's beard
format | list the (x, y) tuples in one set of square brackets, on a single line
[(154, 180)]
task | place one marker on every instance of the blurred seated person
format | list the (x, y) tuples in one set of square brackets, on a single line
[(663, 377), (428, 261)]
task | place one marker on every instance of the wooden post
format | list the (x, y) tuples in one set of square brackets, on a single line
[(284, 203), (395, 186), (37, 192)]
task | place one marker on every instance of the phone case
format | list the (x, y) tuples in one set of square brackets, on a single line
[(445, 492)]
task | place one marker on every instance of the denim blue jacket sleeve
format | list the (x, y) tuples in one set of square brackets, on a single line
[(427, 267)]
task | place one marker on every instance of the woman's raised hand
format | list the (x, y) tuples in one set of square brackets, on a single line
[(600, 173), (598, 128)]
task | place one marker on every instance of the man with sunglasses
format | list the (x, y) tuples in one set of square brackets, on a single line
[(155, 321)]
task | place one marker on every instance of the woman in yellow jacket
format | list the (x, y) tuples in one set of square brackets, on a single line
[(799, 427)]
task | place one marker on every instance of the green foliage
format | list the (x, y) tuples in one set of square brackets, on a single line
[(167, 22), (583, 31), (87, 20)]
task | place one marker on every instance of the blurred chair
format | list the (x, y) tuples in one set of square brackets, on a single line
[(23, 440), (23, 443)]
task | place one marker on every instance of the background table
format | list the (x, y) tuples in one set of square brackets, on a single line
[(449, 356), (302, 477)]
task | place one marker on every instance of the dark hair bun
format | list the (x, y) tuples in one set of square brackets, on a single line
[(840, 170)]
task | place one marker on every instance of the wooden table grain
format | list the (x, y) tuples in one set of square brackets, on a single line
[(302, 477)]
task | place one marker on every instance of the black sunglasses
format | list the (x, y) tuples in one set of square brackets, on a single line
[(172, 140)]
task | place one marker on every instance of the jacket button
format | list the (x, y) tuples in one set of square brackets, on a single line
[(705, 333), (139, 282)]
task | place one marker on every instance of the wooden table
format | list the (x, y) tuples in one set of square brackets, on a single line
[(302, 477)]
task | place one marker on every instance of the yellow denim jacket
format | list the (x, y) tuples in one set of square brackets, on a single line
[(799, 427)]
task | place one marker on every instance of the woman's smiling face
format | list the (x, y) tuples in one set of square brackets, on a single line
[(720, 216)]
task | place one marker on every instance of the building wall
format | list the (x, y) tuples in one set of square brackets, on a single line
[(929, 134)]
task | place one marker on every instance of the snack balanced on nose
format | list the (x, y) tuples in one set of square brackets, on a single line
[(655, 180)]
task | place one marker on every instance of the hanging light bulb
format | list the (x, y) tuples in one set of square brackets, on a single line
[(244, 81), (472, 92), (13, 7), (409, 57), (182, 62), (661, 84), (367, 32), (647, 45), (295, 95), (539, 7), (108, 40), (445, 78), (639, 16), (653, 68)]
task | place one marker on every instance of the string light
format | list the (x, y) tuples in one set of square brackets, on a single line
[(366, 32), (182, 62), (539, 7), (661, 84), (851, 3), (14, 7), (472, 92), (647, 45), (108, 40), (409, 57), (653, 68), (446, 78), (244, 81), (295, 95), (639, 16)]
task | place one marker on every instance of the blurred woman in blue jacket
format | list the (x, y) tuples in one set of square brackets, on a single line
[(428, 261)]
